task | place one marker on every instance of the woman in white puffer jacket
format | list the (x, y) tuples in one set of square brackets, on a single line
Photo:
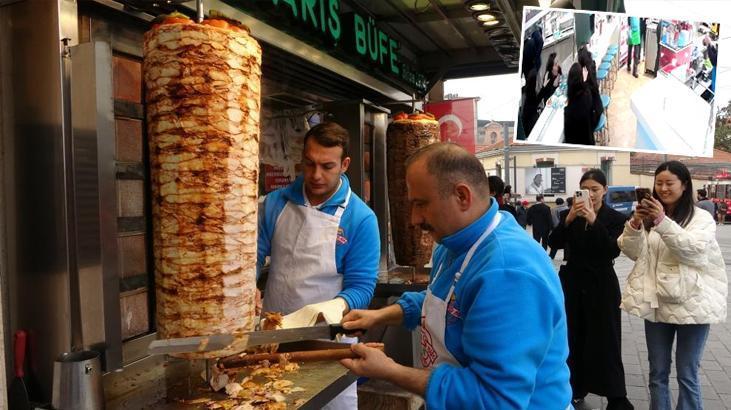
[(678, 284)]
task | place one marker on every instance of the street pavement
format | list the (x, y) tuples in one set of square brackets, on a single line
[(715, 374)]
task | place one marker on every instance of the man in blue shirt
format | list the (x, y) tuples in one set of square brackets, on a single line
[(493, 326), (322, 239)]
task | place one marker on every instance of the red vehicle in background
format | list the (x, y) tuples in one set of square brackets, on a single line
[(719, 191)]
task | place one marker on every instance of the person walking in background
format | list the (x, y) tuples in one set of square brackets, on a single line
[(577, 126), (521, 212), (634, 43), (555, 212), (508, 195), (678, 285), (591, 293), (722, 209), (497, 190), (539, 217), (643, 39), (705, 203)]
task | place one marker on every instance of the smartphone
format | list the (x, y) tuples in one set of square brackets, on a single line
[(583, 195), (642, 193)]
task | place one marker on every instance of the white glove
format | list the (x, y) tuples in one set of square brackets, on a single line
[(331, 311)]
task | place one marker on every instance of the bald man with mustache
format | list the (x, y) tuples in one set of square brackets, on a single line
[(493, 327)]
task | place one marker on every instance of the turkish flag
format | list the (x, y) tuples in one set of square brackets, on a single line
[(457, 121)]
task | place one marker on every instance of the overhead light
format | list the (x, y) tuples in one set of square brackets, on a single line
[(490, 23), (485, 16), (478, 6)]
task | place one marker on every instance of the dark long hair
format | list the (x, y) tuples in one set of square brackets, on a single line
[(550, 62), (586, 61), (575, 82), (685, 208), (596, 175), (549, 67)]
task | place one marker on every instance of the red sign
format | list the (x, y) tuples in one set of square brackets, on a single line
[(458, 121), (275, 178)]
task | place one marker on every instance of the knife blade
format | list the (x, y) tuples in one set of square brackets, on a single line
[(296, 334), (243, 341), (191, 344)]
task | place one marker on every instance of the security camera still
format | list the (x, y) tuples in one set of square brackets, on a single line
[(614, 80)]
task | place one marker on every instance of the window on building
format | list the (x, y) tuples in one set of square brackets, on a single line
[(493, 137)]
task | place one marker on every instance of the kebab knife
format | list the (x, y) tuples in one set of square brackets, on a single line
[(242, 341)]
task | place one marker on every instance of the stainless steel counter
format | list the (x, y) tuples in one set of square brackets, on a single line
[(165, 383)]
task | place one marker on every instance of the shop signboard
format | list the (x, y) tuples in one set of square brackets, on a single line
[(275, 178), (457, 121), (339, 28)]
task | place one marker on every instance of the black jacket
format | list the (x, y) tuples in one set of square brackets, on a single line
[(539, 215), (592, 297), (577, 117), (548, 89), (509, 209), (713, 54), (521, 215)]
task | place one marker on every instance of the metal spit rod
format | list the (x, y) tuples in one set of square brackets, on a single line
[(199, 10)]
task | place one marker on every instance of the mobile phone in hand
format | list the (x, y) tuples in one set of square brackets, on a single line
[(642, 193), (582, 195)]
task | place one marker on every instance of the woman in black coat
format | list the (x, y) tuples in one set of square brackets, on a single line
[(592, 84), (530, 102), (551, 78), (577, 115), (588, 233)]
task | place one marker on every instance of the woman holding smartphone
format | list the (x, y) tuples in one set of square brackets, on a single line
[(589, 234), (678, 283)]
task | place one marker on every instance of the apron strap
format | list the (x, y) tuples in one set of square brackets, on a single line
[(471, 252), (341, 207), (495, 221)]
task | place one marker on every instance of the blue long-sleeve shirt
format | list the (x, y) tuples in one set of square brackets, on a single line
[(508, 331), (357, 248)]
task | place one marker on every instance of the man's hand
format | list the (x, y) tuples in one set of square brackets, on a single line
[(586, 212), (361, 319), (366, 319), (372, 363), (653, 208), (573, 213)]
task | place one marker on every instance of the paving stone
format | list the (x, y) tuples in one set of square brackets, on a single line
[(710, 365)]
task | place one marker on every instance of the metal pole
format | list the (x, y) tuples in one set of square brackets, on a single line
[(506, 152), (199, 10), (515, 173)]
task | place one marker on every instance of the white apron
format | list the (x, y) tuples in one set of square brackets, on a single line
[(434, 312), (304, 270)]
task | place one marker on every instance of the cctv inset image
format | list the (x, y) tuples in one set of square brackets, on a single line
[(627, 82)]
